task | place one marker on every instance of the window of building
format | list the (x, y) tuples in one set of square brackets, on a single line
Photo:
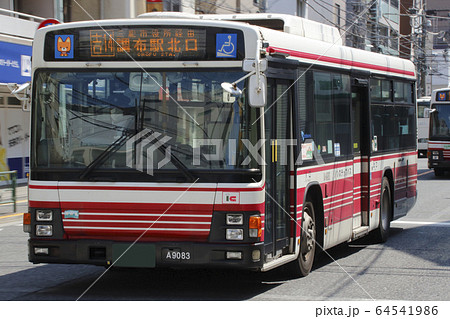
[(338, 15), (300, 8), (173, 5), (13, 101)]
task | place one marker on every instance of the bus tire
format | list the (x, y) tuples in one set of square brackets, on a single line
[(303, 265), (382, 232), (438, 172)]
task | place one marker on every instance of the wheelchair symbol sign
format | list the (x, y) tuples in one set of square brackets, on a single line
[(226, 44)]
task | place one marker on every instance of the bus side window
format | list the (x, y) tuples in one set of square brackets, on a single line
[(342, 118), (323, 106)]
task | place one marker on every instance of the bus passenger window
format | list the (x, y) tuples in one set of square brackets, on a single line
[(324, 113)]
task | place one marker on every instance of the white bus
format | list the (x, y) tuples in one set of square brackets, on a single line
[(439, 140), (208, 141), (423, 125)]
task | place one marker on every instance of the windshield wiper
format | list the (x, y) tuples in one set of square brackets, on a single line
[(110, 150), (176, 161)]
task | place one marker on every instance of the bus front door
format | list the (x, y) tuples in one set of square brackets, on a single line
[(361, 153), (279, 160)]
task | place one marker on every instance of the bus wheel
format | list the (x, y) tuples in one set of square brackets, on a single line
[(303, 265), (438, 172), (382, 232)]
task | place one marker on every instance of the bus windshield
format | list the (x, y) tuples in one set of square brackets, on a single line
[(440, 122), (83, 120)]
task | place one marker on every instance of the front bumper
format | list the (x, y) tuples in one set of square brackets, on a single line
[(145, 254), (439, 164)]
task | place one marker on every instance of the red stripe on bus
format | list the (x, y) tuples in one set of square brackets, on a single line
[(323, 58), (147, 188)]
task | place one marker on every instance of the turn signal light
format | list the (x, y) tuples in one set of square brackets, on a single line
[(255, 229), (27, 222)]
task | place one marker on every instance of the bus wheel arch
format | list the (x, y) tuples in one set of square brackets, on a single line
[(390, 176), (381, 233), (311, 230), (314, 194)]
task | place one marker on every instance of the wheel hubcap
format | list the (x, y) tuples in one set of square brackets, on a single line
[(308, 233)]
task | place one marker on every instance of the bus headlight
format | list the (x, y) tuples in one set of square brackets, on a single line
[(235, 219), (235, 234), (44, 215), (44, 230)]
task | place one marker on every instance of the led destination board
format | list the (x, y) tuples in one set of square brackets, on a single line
[(124, 43), (146, 42), (443, 96)]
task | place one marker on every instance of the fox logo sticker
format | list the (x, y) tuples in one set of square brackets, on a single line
[(64, 46)]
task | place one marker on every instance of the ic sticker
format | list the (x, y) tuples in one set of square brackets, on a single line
[(64, 46), (230, 198), (226, 45)]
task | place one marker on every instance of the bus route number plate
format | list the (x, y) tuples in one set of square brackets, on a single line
[(175, 255)]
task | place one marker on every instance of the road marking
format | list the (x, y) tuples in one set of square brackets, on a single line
[(17, 202), (437, 224), (425, 173), (7, 216)]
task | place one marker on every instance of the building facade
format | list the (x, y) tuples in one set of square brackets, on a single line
[(16, 34), (438, 30), (324, 11), (374, 26)]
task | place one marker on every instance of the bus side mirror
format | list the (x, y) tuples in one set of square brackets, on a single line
[(427, 111), (257, 90), (22, 93)]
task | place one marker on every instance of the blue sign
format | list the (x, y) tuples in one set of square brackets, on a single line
[(226, 45), (15, 63), (64, 46)]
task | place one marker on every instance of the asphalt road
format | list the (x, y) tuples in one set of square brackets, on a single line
[(413, 265)]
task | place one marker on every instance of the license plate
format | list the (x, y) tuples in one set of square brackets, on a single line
[(175, 254)]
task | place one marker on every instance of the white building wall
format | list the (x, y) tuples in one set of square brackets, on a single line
[(439, 76), (323, 11), (16, 36)]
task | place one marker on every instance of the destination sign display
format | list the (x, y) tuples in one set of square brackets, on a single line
[(144, 43), (443, 96)]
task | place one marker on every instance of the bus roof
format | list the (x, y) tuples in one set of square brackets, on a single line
[(441, 95), (290, 42), (285, 23)]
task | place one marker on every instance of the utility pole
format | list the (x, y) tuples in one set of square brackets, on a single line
[(374, 16), (420, 45), (423, 46)]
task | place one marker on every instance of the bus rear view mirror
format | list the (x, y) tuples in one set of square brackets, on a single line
[(22, 93), (427, 111), (257, 90), (145, 82)]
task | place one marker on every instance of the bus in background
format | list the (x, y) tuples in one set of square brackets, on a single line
[(439, 140), (423, 125), (174, 140)]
